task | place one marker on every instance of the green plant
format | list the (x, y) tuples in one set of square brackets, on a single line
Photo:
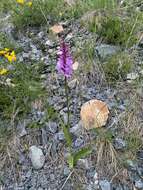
[(25, 89), (81, 7), (117, 67), (6, 41), (116, 30), (46, 12), (40, 13), (5, 6), (134, 142)]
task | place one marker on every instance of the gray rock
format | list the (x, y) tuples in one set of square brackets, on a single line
[(26, 55), (78, 142), (37, 157), (28, 174), (139, 184), (52, 177), (96, 178), (105, 50), (52, 127), (40, 34), (60, 136), (22, 128), (40, 188), (83, 163), (140, 154), (105, 185), (132, 165), (119, 144), (132, 76), (66, 171), (49, 43), (76, 129), (72, 84)]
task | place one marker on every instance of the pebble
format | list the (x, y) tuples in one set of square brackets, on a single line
[(76, 129), (132, 76), (105, 185), (37, 157), (83, 163), (140, 154), (78, 142), (119, 143), (60, 136), (132, 165), (52, 127), (139, 184), (66, 171)]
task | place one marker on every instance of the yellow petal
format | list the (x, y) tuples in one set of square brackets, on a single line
[(20, 1), (29, 3), (3, 71), (10, 56), (2, 52)]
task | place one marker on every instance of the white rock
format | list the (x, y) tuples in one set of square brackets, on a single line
[(132, 76), (141, 72), (37, 157)]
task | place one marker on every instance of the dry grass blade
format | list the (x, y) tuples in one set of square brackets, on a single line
[(107, 160)]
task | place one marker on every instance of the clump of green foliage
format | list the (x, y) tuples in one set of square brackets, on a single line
[(5, 41), (5, 6), (117, 31), (114, 30), (47, 12), (39, 14), (134, 142), (25, 89), (81, 7), (117, 67)]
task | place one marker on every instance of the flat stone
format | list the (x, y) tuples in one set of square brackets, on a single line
[(37, 157), (105, 50)]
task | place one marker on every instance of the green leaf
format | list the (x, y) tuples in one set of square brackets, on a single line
[(82, 153), (71, 161), (67, 135)]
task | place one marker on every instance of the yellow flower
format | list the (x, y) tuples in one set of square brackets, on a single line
[(2, 52), (21, 2), (3, 71), (10, 56), (29, 3), (7, 53)]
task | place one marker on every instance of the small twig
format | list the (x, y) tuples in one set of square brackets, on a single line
[(66, 180)]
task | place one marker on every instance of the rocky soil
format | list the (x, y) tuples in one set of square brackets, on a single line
[(36, 157)]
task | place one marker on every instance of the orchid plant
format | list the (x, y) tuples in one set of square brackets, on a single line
[(65, 67)]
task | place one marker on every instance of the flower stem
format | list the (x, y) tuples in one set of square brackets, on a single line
[(67, 102)]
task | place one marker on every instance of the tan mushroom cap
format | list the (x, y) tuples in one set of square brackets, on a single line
[(94, 114)]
